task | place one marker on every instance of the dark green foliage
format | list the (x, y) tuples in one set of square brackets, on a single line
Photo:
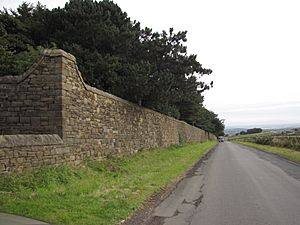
[(264, 140), (291, 142), (16, 50), (114, 54), (16, 64), (254, 130), (171, 71), (209, 121)]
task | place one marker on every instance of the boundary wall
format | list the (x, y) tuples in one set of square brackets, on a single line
[(49, 116)]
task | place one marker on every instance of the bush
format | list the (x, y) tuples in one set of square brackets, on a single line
[(264, 140), (291, 142), (254, 130)]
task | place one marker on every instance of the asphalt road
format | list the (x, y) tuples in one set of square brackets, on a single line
[(237, 185), (10, 219)]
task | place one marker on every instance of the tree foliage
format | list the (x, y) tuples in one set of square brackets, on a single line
[(254, 130), (114, 54)]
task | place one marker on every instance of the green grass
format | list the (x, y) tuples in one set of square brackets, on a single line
[(99, 192), (290, 142), (250, 136), (284, 152)]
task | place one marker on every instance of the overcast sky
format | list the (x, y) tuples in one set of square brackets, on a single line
[(253, 48)]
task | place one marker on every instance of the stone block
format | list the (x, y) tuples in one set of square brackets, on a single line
[(12, 119), (40, 154), (24, 119), (20, 160), (5, 161), (22, 153), (2, 154), (35, 121), (2, 168), (62, 150), (9, 153), (31, 154)]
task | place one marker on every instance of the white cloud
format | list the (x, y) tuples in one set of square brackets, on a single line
[(13, 4)]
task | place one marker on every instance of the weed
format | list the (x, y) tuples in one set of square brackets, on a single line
[(39, 178)]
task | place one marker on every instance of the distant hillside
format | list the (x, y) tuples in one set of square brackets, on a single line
[(234, 130), (280, 126)]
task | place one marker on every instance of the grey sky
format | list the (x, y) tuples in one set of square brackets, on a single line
[(252, 47)]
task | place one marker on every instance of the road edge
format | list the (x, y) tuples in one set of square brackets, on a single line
[(271, 153), (143, 214)]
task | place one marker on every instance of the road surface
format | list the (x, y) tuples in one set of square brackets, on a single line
[(10, 219), (237, 185)]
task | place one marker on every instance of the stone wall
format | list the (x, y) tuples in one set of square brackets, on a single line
[(49, 116), (32, 103)]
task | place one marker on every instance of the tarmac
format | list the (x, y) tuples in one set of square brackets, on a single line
[(10, 219), (236, 185)]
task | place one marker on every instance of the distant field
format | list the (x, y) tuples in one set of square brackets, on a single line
[(283, 152), (267, 138), (249, 136)]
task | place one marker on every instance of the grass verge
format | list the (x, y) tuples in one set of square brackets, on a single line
[(283, 152), (101, 193)]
